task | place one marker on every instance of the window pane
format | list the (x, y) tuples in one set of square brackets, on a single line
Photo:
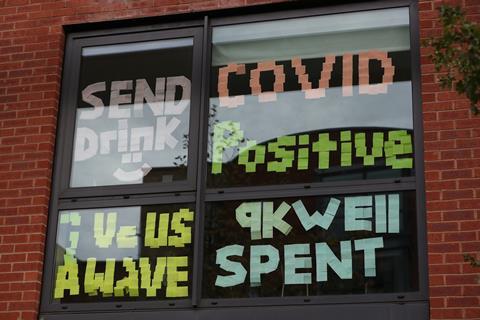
[(311, 99), (124, 253), (307, 246), (133, 113)]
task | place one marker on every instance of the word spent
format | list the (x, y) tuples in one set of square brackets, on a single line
[(265, 259)]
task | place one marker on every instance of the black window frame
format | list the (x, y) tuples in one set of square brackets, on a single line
[(200, 26)]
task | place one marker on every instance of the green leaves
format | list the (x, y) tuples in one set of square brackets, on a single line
[(457, 53)]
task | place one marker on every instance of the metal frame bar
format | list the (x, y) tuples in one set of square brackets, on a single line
[(195, 189), (188, 184), (63, 197), (418, 148)]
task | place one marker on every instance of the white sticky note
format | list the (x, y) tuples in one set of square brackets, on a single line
[(293, 262)]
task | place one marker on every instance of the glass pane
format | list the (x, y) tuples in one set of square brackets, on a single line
[(124, 253), (311, 99), (309, 246), (133, 113)]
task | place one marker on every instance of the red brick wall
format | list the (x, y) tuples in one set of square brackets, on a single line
[(31, 45), (452, 164)]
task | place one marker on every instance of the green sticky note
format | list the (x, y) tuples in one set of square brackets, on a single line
[(64, 218), (226, 134), (96, 282), (303, 156), (399, 143), (259, 156), (304, 139), (75, 218), (149, 283), (360, 138), (184, 233), (67, 278), (104, 235), (324, 146), (345, 136), (73, 237), (161, 240), (127, 237), (361, 148), (286, 156), (174, 290)]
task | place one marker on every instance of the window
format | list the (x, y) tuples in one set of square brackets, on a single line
[(269, 160)]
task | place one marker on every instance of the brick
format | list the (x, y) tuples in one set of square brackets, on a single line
[(461, 279), (462, 301), (444, 269), (458, 215), (455, 174), (444, 247), (472, 313), (457, 194), (446, 291)]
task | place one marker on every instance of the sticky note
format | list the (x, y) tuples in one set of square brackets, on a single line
[(274, 220), (316, 219), (127, 237), (226, 134), (361, 149), (257, 267), (357, 209), (73, 237), (174, 276), (345, 148), (184, 233), (128, 284), (393, 213), (293, 262), (104, 236), (303, 153), (75, 218), (67, 278), (99, 282), (324, 146), (286, 156), (399, 143), (161, 240), (380, 214), (64, 218), (239, 272), (249, 215), (325, 257), (244, 155), (149, 283), (369, 246)]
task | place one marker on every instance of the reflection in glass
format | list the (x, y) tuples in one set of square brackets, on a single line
[(311, 99), (133, 113), (311, 246), (124, 253)]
